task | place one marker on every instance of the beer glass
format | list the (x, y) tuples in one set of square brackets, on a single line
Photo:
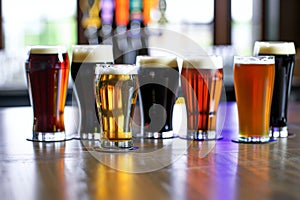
[(116, 90), (284, 53), (47, 70), (158, 80), (254, 82), (201, 80), (84, 60)]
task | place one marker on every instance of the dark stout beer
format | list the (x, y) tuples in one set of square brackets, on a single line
[(158, 79), (202, 79), (47, 74), (84, 60), (284, 53)]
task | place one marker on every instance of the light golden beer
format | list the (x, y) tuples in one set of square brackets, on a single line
[(254, 82), (202, 80), (116, 89)]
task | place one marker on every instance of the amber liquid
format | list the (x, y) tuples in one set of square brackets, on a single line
[(48, 83), (202, 91), (253, 90), (116, 97)]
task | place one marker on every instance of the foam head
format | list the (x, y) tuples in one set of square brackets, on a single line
[(156, 61), (274, 48), (40, 49), (203, 62), (117, 69), (254, 59), (92, 53)]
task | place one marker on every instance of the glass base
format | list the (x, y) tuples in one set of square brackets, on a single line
[(157, 135), (120, 144), (90, 136), (263, 139), (278, 132), (49, 137), (202, 135)]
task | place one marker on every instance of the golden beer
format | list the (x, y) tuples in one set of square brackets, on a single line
[(116, 89), (202, 80), (254, 82)]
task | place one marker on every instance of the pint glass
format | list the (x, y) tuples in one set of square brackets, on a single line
[(84, 60), (201, 80), (116, 90), (47, 70), (253, 82), (284, 53), (158, 80)]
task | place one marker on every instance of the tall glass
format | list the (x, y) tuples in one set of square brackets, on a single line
[(201, 80), (284, 53), (84, 60), (254, 82), (47, 70), (158, 79), (116, 90)]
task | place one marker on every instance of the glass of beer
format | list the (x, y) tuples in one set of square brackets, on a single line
[(284, 53), (116, 90), (84, 60), (254, 82), (201, 81), (158, 81), (47, 70)]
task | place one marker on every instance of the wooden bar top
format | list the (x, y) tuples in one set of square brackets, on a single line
[(159, 169)]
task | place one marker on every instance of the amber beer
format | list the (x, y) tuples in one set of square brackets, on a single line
[(47, 70), (284, 53), (202, 79), (84, 60), (116, 89), (254, 82), (158, 80)]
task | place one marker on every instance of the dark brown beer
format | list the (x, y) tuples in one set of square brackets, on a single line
[(116, 89), (202, 80), (253, 82), (158, 80), (284, 53), (84, 60), (47, 72)]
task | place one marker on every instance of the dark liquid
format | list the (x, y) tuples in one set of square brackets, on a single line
[(284, 67), (158, 87), (83, 77), (48, 82)]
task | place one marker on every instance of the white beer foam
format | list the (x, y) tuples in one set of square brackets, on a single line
[(92, 53), (203, 62), (156, 61), (117, 69), (254, 59), (44, 49), (276, 48)]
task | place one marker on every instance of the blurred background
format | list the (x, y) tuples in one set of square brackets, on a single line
[(224, 27)]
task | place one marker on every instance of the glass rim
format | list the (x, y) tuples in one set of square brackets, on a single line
[(270, 59), (117, 69), (47, 49), (203, 62), (92, 53), (274, 47)]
